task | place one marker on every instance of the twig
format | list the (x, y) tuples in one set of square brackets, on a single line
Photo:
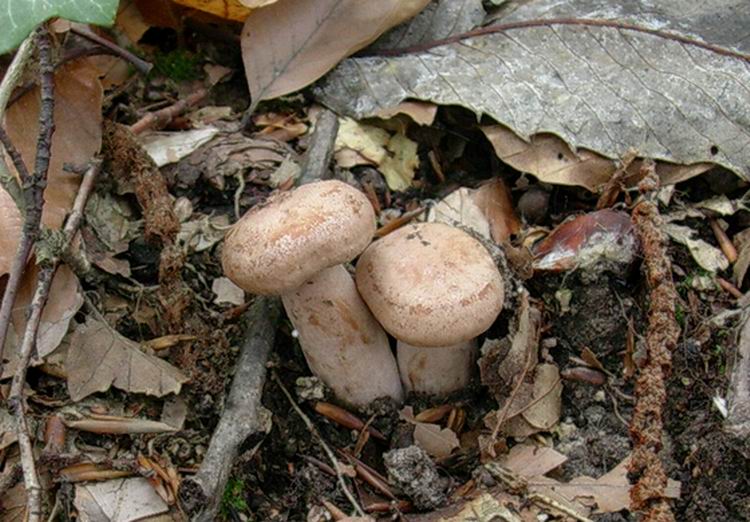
[(320, 152), (10, 80), (323, 445), (16, 399), (158, 119), (32, 186), (243, 414), (141, 65)]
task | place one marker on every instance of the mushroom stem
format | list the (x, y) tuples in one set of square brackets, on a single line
[(343, 343), (436, 370)]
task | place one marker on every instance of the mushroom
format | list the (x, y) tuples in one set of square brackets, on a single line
[(434, 288), (294, 245)]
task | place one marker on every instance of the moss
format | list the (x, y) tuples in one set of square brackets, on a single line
[(233, 500), (178, 65)]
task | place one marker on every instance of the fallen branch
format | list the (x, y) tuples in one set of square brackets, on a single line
[(738, 396), (158, 119), (320, 151), (16, 399), (32, 185), (242, 416), (142, 66), (648, 493)]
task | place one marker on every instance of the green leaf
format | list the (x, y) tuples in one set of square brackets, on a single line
[(19, 17)]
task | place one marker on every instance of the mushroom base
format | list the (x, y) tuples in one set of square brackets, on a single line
[(437, 370), (343, 343)]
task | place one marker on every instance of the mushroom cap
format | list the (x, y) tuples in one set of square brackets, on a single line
[(278, 245), (430, 284)]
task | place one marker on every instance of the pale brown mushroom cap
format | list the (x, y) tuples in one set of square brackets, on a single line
[(430, 284), (277, 246)]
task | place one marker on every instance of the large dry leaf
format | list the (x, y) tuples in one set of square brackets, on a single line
[(290, 44), (550, 159), (436, 441), (120, 500), (227, 9), (12, 223), (440, 19), (78, 126), (99, 357), (65, 298), (604, 88)]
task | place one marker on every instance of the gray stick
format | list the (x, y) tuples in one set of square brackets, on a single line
[(320, 151), (242, 416)]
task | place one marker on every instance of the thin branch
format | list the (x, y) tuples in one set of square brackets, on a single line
[(243, 413), (160, 118), (327, 450), (141, 65), (32, 185), (10, 81), (16, 399)]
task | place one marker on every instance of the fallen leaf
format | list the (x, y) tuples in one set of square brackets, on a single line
[(130, 22), (119, 425), (170, 147), (440, 19), (436, 441), (12, 222), (459, 208), (286, 46), (254, 4), (228, 9), (610, 492), (175, 412), (121, 500), (586, 241), (394, 155), (527, 460), (64, 301), (13, 502), (278, 126), (77, 137), (551, 160), (227, 292), (99, 357), (582, 80), (204, 232), (422, 113), (742, 242), (547, 398), (706, 255), (494, 200)]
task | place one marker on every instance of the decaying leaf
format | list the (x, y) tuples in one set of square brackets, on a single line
[(551, 160), (78, 126), (587, 241), (120, 500), (436, 441), (460, 208), (421, 113), (584, 81), (227, 292), (170, 147), (440, 19), (527, 460), (286, 46), (278, 126), (99, 357), (739, 270), (235, 10), (706, 255), (610, 492), (12, 222), (203, 232), (394, 155)]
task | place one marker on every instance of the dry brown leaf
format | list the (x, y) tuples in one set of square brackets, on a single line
[(120, 500), (99, 357), (422, 113), (228, 9), (528, 461), (547, 398), (436, 441), (12, 222), (495, 202), (13, 504), (65, 298), (611, 491), (550, 159), (742, 241), (460, 208), (78, 125), (288, 45), (254, 4), (120, 425)]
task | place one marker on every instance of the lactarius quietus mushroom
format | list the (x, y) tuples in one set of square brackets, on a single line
[(294, 246), (434, 288)]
